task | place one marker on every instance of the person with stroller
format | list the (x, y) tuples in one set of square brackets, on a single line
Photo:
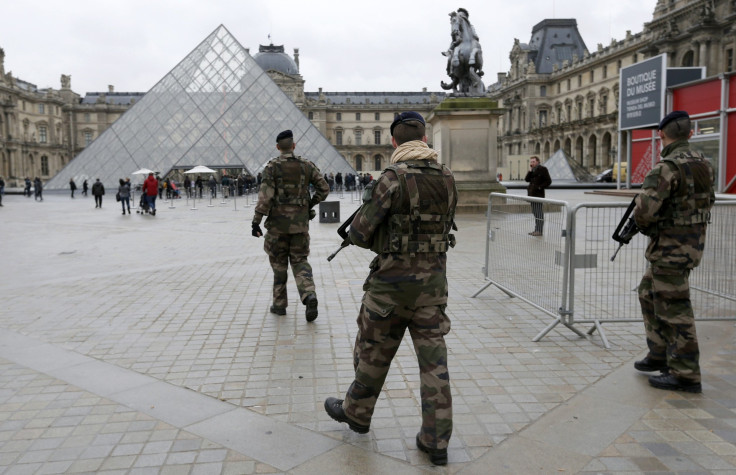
[(150, 191)]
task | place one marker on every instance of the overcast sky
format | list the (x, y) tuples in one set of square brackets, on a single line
[(369, 45)]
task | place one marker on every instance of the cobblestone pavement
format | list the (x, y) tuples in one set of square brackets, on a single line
[(138, 344)]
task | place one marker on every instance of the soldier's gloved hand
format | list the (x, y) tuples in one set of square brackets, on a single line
[(312, 214), (257, 232)]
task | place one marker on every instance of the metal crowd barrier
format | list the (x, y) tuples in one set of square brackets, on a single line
[(568, 272)]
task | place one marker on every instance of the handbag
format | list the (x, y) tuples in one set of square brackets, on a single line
[(117, 196)]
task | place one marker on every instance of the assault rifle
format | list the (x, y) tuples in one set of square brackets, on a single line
[(626, 229), (343, 232)]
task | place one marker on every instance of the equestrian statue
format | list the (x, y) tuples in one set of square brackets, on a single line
[(464, 57)]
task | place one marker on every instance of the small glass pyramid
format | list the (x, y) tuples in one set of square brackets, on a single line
[(216, 108), (563, 168)]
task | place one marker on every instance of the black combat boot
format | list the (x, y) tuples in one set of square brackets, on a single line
[(311, 303), (673, 383), (278, 310), (436, 456), (648, 364), (333, 407)]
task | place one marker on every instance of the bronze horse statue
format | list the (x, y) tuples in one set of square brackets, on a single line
[(464, 57)]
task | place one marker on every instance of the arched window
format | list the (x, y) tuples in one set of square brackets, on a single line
[(593, 151), (579, 150), (688, 58), (606, 151), (359, 163), (377, 159)]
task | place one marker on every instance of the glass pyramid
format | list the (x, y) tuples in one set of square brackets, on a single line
[(216, 108), (563, 168)]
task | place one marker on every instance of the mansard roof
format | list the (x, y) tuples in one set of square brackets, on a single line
[(113, 98), (374, 98), (555, 41)]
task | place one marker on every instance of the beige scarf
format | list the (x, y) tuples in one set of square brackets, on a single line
[(413, 150)]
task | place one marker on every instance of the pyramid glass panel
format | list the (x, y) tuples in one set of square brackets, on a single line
[(217, 108)]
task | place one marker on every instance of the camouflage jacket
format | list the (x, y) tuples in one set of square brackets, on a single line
[(407, 278), (284, 194), (674, 207)]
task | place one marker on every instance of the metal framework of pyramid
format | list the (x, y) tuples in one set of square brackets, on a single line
[(217, 108)]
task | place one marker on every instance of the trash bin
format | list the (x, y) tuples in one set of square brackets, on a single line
[(329, 212)]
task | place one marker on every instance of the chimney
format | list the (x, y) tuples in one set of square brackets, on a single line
[(110, 88), (424, 89), (501, 77), (296, 58)]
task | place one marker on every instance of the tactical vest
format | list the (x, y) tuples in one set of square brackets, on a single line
[(290, 177), (422, 219), (691, 201)]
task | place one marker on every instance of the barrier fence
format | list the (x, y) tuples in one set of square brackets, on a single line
[(568, 273)]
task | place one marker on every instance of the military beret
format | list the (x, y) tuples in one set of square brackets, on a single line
[(406, 117), (286, 134), (674, 115)]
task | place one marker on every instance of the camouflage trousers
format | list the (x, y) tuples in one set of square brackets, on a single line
[(664, 295), (380, 332), (285, 249)]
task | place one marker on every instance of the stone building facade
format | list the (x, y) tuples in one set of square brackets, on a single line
[(559, 95), (42, 129), (356, 123)]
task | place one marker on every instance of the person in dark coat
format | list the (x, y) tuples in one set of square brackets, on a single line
[(538, 179), (38, 186), (72, 186), (85, 187), (97, 191)]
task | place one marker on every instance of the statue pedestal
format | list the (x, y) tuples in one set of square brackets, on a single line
[(464, 132)]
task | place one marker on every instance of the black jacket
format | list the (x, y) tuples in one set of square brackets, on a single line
[(538, 179)]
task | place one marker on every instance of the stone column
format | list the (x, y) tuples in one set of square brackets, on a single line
[(464, 132)]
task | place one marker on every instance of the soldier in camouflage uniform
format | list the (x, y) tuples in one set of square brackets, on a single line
[(673, 210), (406, 219), (284, 198)]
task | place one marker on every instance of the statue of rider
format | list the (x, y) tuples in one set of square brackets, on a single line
[(473, 53)]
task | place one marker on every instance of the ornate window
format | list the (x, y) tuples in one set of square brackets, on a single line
[(688, 59), (357, 116), (310, 115), (377, 137), (543, 118), (87, 137), (338, 137), (358, 137), (378, 116), (338, 116), (377, 162), (41, 108), (42, 134), (44, 165)]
